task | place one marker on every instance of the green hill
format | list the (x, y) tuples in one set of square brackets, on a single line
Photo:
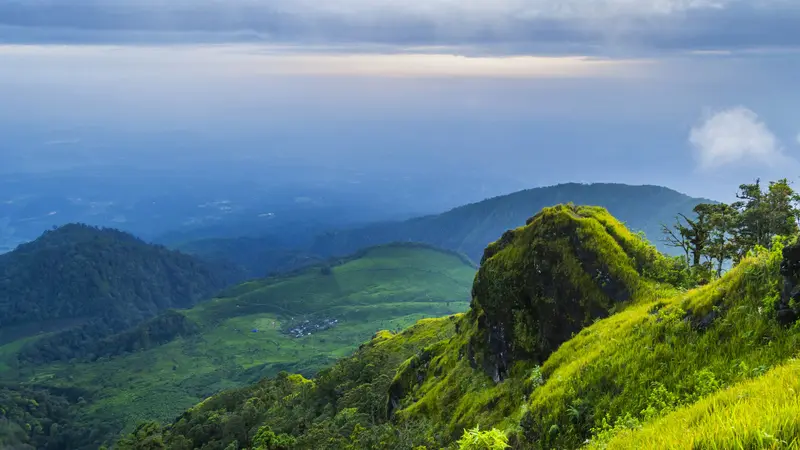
[(300, 322), (94, 282), (578, 336), (469, 229)]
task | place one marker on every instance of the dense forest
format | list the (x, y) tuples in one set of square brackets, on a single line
[(32, 418), (470, 228), (91, 343), (103, 280), (580, 334)]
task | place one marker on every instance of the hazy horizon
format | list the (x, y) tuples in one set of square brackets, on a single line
[(402, 108)]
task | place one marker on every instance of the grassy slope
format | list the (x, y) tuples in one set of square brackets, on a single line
[(761, 413), (653, 357), (631, 368), (386, 288)]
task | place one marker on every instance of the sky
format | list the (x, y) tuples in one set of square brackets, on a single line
[(696, 95)]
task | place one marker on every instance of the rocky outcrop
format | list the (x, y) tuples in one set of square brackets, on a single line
[(788, 307), (540, 284)]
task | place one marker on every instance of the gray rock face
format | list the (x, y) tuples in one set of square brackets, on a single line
[(788, 309)]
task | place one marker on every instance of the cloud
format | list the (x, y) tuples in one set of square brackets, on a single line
[(256, 60), (735, 135), (59, 142), (514, 26)]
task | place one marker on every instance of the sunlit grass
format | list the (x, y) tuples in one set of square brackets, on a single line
[(760, 414)]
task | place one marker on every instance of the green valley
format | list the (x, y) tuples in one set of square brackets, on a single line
[(299, 322)]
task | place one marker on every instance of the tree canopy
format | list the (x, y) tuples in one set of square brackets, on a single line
[(720, 234)]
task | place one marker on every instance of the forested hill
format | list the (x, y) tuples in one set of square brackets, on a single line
[(82, 272), (470, 228)]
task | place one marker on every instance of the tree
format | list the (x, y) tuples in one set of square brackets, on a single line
[(752, 224), (764, 215), (266, 439), (699, 232), (690, 235), (677, 236), (782, 213), (723, 221)]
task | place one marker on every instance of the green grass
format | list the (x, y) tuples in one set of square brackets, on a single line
[(389, 287), (650, 359), (760, 414)]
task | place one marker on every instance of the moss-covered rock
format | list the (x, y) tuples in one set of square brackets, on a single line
[(540, 284), (410, 374), (788, 308)]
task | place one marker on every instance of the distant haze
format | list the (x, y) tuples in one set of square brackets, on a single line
[(394, 108)]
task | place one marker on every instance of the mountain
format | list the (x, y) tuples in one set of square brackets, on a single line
[(579, 335), (95, 282), (301, 322), (470, 228)]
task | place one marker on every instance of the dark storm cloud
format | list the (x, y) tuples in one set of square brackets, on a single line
[(500, 26)]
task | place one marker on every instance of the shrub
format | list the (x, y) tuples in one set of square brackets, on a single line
[(476, 439)]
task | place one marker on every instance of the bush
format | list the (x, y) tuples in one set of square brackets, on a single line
[(476, 439)]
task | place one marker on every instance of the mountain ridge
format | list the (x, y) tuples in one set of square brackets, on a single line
[(470, 228)]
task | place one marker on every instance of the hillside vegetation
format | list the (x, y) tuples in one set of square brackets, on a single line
[(89, 283), (469, 229), (300, 322), (580, 334), (78, 271)]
